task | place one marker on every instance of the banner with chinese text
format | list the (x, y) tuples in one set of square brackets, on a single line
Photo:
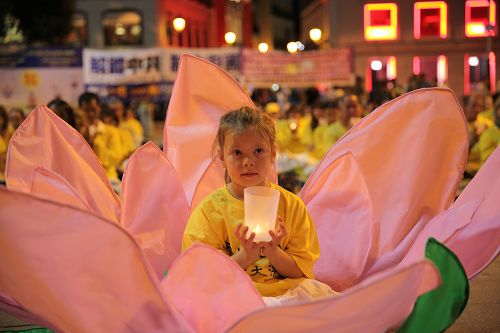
[(302, 69)]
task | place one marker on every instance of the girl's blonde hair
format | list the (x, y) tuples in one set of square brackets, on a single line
[(239, 120)]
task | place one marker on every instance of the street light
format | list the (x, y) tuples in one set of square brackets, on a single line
[(230, 37), (315, 35), (179, 24), (263, 47), (291, 47), (473, 61), (376, 65)]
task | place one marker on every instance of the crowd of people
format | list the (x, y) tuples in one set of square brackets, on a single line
[(308, 122), (111, 129)]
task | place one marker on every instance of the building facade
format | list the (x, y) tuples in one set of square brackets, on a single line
[(452, 43), (149, 23)]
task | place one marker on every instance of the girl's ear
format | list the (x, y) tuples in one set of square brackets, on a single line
[(221, 157)]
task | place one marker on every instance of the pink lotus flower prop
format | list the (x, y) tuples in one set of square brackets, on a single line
[(76, 259)]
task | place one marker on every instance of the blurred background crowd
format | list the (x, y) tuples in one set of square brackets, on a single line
[(308, 122)]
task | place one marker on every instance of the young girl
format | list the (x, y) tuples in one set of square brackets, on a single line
[(282, 267)]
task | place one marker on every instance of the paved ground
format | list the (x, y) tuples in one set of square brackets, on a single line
[(482, 314)]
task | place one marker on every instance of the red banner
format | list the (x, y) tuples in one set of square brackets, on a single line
[(331, 66)]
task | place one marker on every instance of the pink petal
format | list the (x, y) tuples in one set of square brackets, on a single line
[(154, 208), (210, 289), (378, 304), (340, 205), (46, 140), (77, 271)]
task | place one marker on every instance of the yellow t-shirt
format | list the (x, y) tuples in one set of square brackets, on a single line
[(488, 141), (215, 219), (136, 130), (283, 133), (333, 133), (484, 147), (127, 142), (321, 146), (108, 148), (292, 141), (484, 121)]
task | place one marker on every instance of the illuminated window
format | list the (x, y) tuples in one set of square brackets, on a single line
[(479, 68), (430, 19), (480, 18), (122, 27), (79, 29), (380, 70), (381, 21), (431, 70)]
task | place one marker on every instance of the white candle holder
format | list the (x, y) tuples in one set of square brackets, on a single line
[(261, 207)]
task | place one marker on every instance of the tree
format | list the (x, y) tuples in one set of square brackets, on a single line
[(41, 21)]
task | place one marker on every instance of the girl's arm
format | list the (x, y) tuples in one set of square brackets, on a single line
[(282, 261)]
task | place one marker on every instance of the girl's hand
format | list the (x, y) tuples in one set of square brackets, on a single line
[(276, 236), (249, 250)]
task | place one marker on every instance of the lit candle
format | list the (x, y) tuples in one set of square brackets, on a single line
[(260, 232), (261, 205)]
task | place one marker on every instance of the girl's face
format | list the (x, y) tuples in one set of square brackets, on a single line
[(247, 158)]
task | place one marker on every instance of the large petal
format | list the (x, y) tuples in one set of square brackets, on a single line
[(210, 290), (49, 185), (340, 205), (478, 244), (411, 152), (154, 208), (376, 305), (77, 271), (202, 93), (44, 139), (441, 227)]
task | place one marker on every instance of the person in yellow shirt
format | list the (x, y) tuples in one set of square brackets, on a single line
[(351, 104), (477, 108), (489, 139), (108, 117), (338, 128), (281, 268), (6, 132), (292, 131), (325, 135), (127, 121), (104, 139)]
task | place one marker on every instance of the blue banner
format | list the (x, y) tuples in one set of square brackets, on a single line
[(48, 57)]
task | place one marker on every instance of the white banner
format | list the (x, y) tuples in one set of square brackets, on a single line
[(123, 66), (150, 65), (228, 59), (28, 87)]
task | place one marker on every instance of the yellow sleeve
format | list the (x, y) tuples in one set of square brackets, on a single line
[(303, 244), (200, 229)]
